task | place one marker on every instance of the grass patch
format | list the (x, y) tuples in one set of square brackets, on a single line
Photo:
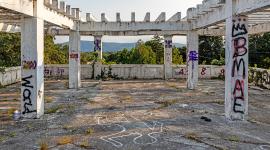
[(64, 140), (11, 112), (43, 145), (3, 138), (233, 138), (54, 109), (48, 99), (89, 131), (85, 144), (12, 134), (167, 103), (191, 136)]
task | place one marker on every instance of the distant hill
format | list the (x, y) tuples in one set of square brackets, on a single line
[(88, 46)]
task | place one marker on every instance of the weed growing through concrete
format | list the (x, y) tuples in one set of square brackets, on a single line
[(89, 131), (43, 145), (234, 138), (54, 109), (167, 103), (64, 140), (85, 144)]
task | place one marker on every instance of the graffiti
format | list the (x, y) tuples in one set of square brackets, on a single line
[(168, 57), (260, 77), (54, 72), (181, 72), (239, 34), (97, 45), (193, 56), (74, 55), (203, 72), (140, 135), (239, 27), (168, 44), (222, 73), (29, 64), (26, 83)]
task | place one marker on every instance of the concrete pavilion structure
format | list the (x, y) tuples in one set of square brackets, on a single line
[(234, 19)]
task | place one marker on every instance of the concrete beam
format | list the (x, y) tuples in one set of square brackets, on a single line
[(175, 18), (137, 26), (161, 17), (218, 14), (104, 18), (147, 17), (26, 7)]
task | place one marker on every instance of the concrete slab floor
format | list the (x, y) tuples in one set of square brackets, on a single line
[(135, 115)]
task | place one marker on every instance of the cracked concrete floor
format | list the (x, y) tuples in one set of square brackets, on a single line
[(135, 115)]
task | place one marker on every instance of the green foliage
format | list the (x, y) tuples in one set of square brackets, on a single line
[(210, 48), (157, 46), (10, 54), (54, 53), (177, 57), (219, 62), (88, 57)]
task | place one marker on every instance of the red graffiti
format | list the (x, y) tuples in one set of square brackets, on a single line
[(203, 71), (222, 73), (74, 55), (29, 64)]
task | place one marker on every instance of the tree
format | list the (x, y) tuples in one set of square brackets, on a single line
[(210, 47), (10, 53), (157, 46), (177, 57), (53, 53), (259, 53), (143, 54)]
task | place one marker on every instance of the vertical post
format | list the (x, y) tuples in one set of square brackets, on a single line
[(168, 56), (32, 61), (74, 59), (236, 85), (192, 59), (98, 49)]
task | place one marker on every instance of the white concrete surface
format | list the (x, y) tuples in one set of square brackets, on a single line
[(192, 59)]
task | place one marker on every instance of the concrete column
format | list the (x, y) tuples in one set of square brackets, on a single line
[(74, 59), (168, 56), (192, 59), (236, 79), (98, 49), (32, 53)]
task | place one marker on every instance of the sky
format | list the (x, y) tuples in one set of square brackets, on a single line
[(125, 7)]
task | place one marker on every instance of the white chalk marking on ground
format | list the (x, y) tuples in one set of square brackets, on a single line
[(124, 133), (265, 147)]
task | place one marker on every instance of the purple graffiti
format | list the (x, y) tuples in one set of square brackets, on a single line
[(97, 44), (168, 43), (193, 56)]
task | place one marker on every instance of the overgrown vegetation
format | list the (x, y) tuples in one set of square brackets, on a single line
[(211, 51)]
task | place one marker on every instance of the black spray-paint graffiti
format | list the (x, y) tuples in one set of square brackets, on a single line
[(168, 44), (239, 32), (27, 95)]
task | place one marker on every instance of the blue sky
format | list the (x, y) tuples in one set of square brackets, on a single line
[(125, 7)]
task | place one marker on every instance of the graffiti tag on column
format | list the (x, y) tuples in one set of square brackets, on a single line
[(27, 64), (168, 44), (239, 32), (193, 56), (97, 44), (26, 83)]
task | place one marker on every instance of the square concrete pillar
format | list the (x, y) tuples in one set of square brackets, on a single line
[(236, 79), (168, 56), (98, 49), (192, 59), (32, 61), (74, 60)]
